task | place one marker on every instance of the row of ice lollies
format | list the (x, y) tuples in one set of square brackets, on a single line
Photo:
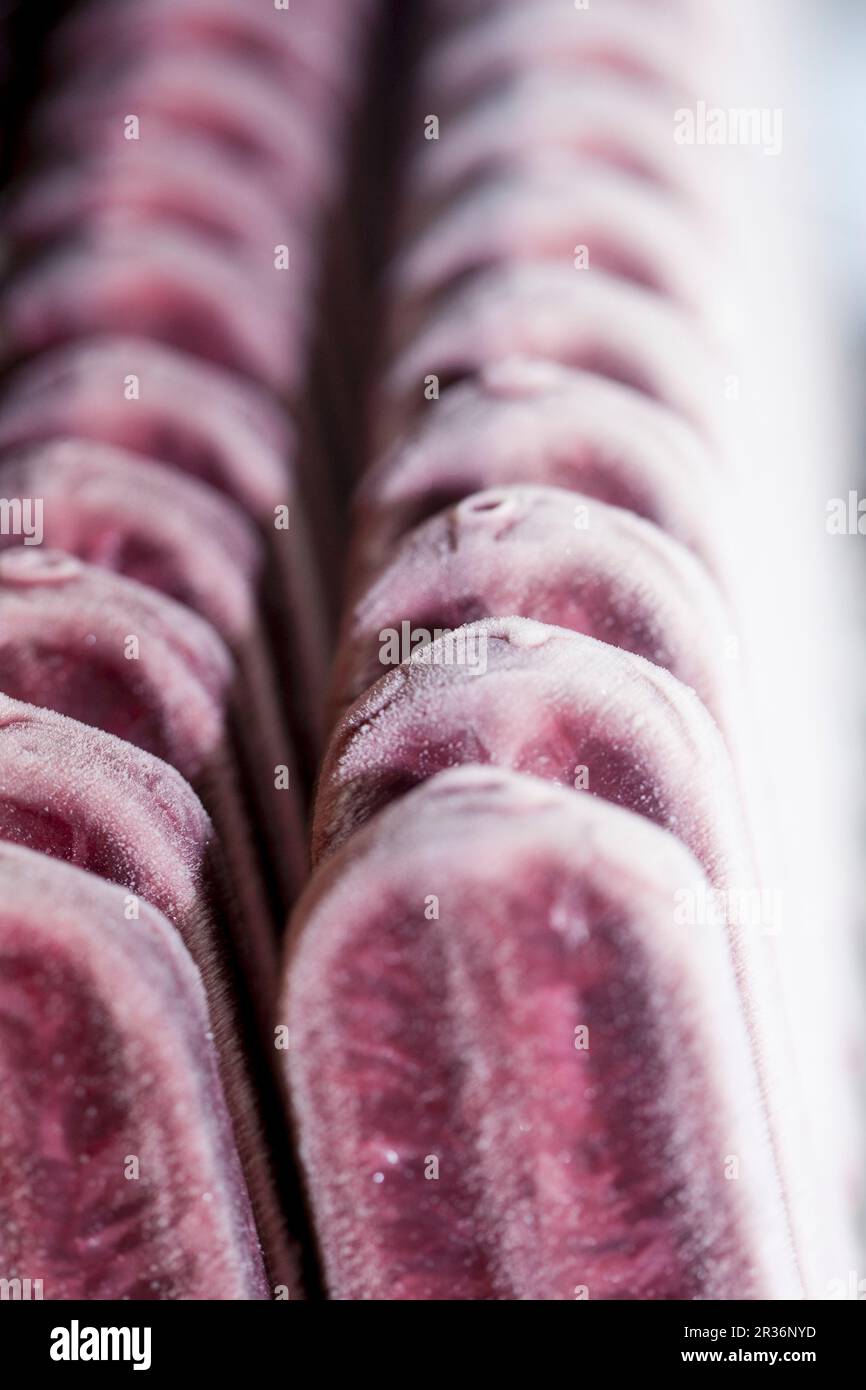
[(164, 634), (526, 1036)]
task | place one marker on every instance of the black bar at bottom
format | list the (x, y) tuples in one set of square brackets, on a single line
[(167, 1339)]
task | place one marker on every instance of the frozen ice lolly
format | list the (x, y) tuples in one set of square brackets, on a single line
[(308, 47), (597, 322), (134, 516), (156, 401), (150, 398), (535, 422), (601, 119), (588, 220), (559, 557), (187, 183), (522, 694), (119, 1177), (109, 786), (255, 117), (167, 285), (514, 1076), (119, 656), (650, 47)]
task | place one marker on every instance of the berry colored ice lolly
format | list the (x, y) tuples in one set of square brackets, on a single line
[(653, 49), (596, 322), (187, 183), (164, 284), (559, 557), (587, 220), (120, 1177), (109, 652), (602, 120), (151, 399), (521, 694), (251, 115), (514, 1075), (529, 421)]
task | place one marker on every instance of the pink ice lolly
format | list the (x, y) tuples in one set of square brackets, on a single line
[(119, 1177), (535, 422), (601, 119), (187, 183), (114, 654), (215, 427), (134, 516), (249, 113), (563, 558), (587, 219), (152, 399), (513, 1075), (651, 49), (309, 49), (84, 795), (120, 657), (173, 288), (594, 321), (521, 694)]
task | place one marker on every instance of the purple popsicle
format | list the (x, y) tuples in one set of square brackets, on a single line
[(479, 1115), (119, 1177), (559, 557), (534, 422)]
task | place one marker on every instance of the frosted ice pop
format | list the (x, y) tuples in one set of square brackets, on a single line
[(535, 422), (557, 556), (480, 1116), (186, 182), (588, 220), (521, 694), (117, 655), (603, 120), (151, 399), (120, 1178), (597, 322), (309, 48), (169, 286), (254, 116), (649, 46)]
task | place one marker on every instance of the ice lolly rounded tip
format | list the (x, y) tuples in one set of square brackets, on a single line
[(120, 1175), (561, 558), (115, 654), (172, 287), (514, 1074), (185, 182), (596, 322), (513, 692), (253, 116), (651, 48), (602, 120), (134, 517), (525, 420), (584, 219)]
